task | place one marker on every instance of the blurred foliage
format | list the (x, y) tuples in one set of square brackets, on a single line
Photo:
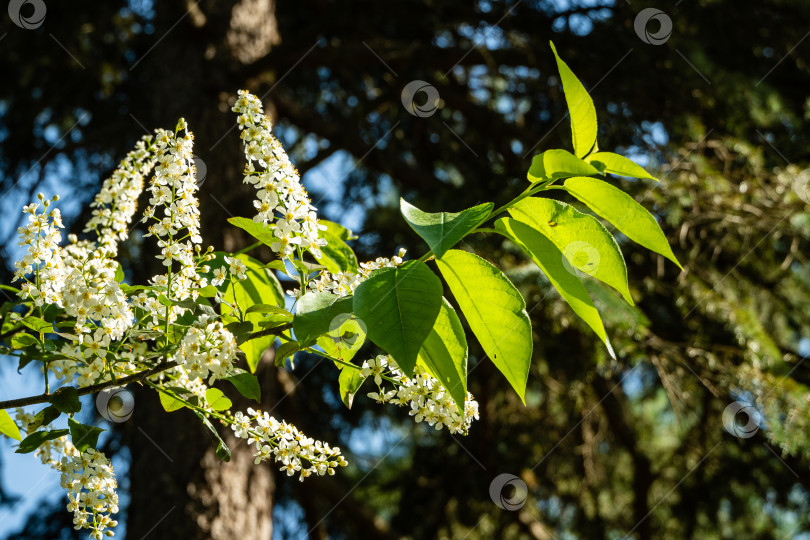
[(607, 448)]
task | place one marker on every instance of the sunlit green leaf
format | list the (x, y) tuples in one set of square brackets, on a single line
[(444, 354), (260, 287), (608, 162), (580, 107), (337, 229), (337, 255), (555, 164), (217, 400), (170, 403), (583, 241), (345, 337), (8, 427), (350, 382), (550, 260), (623, 212), (21, 341), (495, 311), (261, 232), (37, 325)]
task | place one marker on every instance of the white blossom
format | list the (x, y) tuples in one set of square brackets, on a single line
[(282, 202), (423, 394), (294, 451), (344, 283), (207, 351)]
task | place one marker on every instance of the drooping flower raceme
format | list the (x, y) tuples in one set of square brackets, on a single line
[(90, 481), (286, 445), (175, 221), (117, 201), (423, 394), (87, 476), (282, 201), (41, 236)]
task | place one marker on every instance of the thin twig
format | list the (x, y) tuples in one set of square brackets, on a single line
[(45, 398)]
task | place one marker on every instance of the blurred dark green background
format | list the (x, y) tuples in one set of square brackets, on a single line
[(713, 96)]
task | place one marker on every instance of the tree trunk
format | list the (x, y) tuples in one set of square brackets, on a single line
[(178, 487)]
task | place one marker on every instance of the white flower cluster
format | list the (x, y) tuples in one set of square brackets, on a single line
[(344, 283), (91, 294), (174, 188), (41, 236), (90, 480), (282, 200), (177, 228), (207, 351), (286, 445), (96, 369), (116, 203), (88, 476), (424, 394)]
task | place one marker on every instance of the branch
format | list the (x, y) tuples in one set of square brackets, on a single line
[(45, 398), (275, 331)]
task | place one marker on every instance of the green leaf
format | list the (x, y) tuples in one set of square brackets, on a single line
[(550, 260), (346, 336), (555, 164), (495, 311), (286, 350), (399, 306), (444, 354), (315, 313), (8, 427), (44, 417), (306, 268), (66, 400), (350, 382), (442, 230), (259, 231), (260, 287), (217, 400), (209, 291), (82, 435), (337, 255), (223, 452), (608, 162), (337, 229), (21, 341), (170, 403), (119, 273), (267, 308), (580, 107), (37, 325), (623, 212), (583, 241), (247, 385), (35, 440), (278, 264)]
